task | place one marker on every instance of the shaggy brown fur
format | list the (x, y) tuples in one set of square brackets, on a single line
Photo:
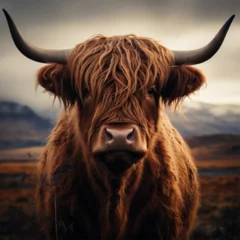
[(107, 80)]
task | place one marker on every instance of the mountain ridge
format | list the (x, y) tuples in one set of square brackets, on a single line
[(21, 126), (205, 119)]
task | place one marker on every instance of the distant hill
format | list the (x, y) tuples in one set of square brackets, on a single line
[(20, 126), (215, 147), (200, 119)]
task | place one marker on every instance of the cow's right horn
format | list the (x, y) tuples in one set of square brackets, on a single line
[(33, 52), (203, 54)]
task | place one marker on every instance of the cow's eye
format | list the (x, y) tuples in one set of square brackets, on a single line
[(86, 93), (151, 91)]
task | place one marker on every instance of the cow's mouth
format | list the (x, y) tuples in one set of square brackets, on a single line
[(119, 161)]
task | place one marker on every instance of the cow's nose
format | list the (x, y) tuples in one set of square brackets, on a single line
[(119, 146), (119, 137)]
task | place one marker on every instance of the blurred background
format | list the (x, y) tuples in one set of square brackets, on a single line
[(209, 121)]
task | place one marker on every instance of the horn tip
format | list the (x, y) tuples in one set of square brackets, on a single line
[(229, 22), (5, 13), (231, 18), (8, 17)]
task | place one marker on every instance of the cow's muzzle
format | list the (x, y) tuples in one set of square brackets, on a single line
[(119, 146)]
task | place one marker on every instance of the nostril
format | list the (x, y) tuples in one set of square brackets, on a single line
[(108, 135), (131, 135)]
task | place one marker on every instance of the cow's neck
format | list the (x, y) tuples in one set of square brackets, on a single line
[(114, 194)]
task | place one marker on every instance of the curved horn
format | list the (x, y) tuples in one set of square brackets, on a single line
[(33, 52), (203, 54)]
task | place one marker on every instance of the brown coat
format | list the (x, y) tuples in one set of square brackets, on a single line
[(156, 198)]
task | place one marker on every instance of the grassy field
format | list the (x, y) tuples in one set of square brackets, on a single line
[(218, 215), (20, 154), (219, 212)]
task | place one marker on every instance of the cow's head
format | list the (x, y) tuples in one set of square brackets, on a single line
[(115, 84)]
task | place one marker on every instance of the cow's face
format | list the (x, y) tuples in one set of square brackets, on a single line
[(118, 122), (114, 86)]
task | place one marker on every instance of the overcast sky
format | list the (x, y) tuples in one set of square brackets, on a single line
[(179, 25)]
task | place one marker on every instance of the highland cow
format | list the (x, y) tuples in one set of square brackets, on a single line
[(114, 167)]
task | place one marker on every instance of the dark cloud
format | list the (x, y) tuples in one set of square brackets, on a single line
[(167, 17), (45, 21), (31, 11)]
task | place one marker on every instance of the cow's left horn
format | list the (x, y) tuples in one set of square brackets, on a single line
[(33, 52), (203, 54)]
